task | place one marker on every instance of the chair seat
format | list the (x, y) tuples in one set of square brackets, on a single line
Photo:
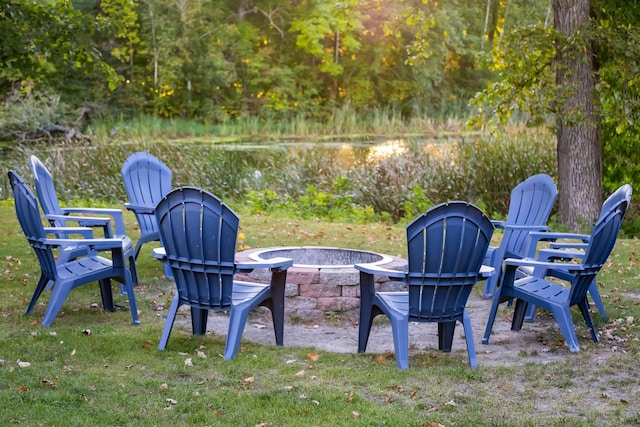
[(247, 291), (547, 292), (95, 265), (397, 301)]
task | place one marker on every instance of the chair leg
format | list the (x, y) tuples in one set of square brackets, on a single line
[(366, 316), (171, 317), (278, 283), (400, 330), (107, 295), (237, 321), (199, 317), (490, 286), (531, 313), (492, 318), (565, 323), (584, 309), (468, 336), (168, 273), (597, 300), (43, 283), (446, 331), (132, 298), (518, 314), (134, 270), (58, 296)]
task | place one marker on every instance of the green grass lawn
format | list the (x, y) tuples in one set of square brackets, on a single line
[(115, 375)]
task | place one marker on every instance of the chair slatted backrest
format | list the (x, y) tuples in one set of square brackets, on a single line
[(146, 180), (199, 235), (531, 203), (28, 215), (623, 192), (446, 247), (45, 188), (603, 239)]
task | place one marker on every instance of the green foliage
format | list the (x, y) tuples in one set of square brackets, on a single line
[(48, 42)]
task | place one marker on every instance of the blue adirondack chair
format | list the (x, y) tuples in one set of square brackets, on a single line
[(554, 297), (147, 180), (563, 246), (70, 274), (446, 247), (529, 209), (199, 233)]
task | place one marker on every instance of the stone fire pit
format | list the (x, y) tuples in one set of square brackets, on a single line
[(323, 279)]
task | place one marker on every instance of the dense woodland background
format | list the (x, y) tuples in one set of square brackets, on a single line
[(67, 64)]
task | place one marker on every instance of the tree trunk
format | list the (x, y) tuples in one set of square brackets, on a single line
[(579, 142)]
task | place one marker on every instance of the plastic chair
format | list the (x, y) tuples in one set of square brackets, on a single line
[(529, 208), (446, 247), (110, 220), (70, 274), (535, 289), (564, 247), (147, 180), (199, 233)]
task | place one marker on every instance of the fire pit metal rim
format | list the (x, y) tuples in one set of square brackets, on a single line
[(257, 255)]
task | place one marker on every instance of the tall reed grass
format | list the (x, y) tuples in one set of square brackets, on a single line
[(391, 181)]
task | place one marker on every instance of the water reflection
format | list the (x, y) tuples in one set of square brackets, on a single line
[(384, 150)]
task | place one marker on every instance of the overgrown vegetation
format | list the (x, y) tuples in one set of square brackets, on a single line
[(390, 181)]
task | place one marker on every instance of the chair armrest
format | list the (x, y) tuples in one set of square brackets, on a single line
[(85, 221), (65, 231), (498, 224), (273, 263), (94, 244), (526, 227), (159, 253), (140, 209), (487, 271), (381, 271), (116, 214), (528, 262), (277, 263)]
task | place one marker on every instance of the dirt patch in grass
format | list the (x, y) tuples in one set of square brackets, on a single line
[(538, 342)]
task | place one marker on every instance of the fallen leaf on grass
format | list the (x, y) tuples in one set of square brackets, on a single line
[(451, 403), (22, 364), (171, 401), (147, 344), (434, 424), (23, 389), (354, 415), (48, 382), (247, 381), (188, 362), (201, 354), (313, 357)]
